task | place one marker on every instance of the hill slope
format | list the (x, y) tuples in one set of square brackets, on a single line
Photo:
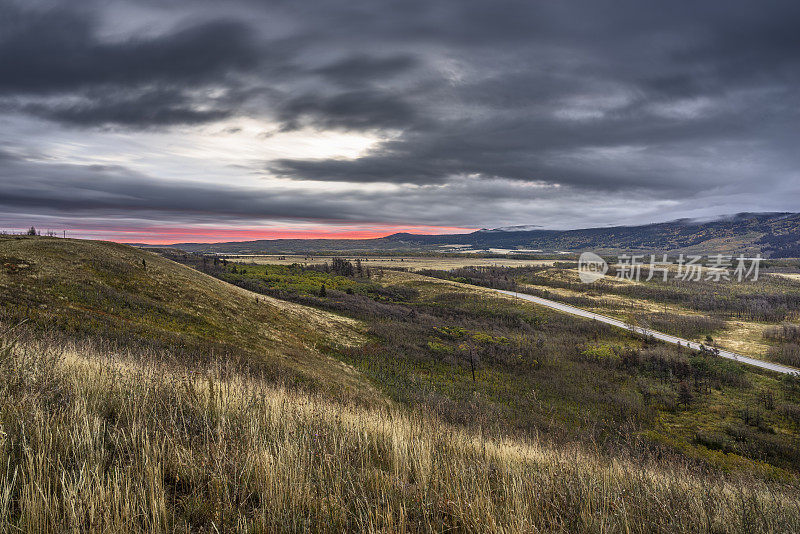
[(133, 298), (771, 234)]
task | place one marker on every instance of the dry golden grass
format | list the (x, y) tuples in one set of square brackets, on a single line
[(97, 442), (99, 285)]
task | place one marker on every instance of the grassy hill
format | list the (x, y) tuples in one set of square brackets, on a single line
[(134, 298)]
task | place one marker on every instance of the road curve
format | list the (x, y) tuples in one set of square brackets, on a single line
[(646, 331)]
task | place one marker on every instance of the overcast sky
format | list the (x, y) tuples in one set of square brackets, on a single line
[(194, 120)]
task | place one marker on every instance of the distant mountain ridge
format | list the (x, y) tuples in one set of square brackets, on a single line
[(775, 235)]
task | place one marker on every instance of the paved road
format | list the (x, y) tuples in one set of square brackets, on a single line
[(658, 335)]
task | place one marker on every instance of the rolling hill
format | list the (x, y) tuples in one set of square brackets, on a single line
[(775, 235), (134, 298)]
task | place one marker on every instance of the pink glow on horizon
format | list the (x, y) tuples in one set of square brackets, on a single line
[(158, 235)]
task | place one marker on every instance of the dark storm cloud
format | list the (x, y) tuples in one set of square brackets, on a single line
[(154, 107), (58, 50), (42, 187), (354, 110), (53, 64), (102, 189), (667, 101), (357, 96), (362, 69), (528, 104)]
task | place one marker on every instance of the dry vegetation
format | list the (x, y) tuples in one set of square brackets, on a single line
[(480, 359), (101, 289), (97, 441), (735, 314), (152, 397)]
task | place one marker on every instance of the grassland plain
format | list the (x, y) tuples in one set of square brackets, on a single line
[(736, 315), (565, 425)]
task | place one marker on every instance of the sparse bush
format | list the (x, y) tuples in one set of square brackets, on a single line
[(785, 333), (752, 417), (604, 354), (435, 346), (685, 395), (686, 326), (791, 412), (788, 354), (767, 399), (714, 441), (791, 381)]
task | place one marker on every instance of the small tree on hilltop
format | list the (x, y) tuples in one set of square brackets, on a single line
[(32, 231)]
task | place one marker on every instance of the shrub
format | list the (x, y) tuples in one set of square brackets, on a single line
[(788, 353), (791, 412), (785, 333), (435, 346)]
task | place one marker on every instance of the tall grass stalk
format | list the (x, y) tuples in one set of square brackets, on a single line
[(92, 441)]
